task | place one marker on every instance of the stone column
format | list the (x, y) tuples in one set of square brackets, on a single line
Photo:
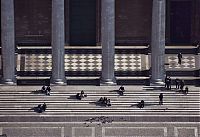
[(58, 42), (8, 42), (108, 42), (158, 42)]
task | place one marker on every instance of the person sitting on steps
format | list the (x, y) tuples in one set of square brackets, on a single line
[(186, 90), (43, 89), (80, 95), (44, 107), (48, 90), (108, 103), (141, 104), (121, 90), (41, 108)]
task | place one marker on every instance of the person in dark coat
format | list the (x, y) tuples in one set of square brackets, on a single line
[(182, 84), (177, 82), (44, 107), (179, 58), (121, 90), (43, 89), (141, 104), (108, 103), (169, 83), (186, 90), (161, 98), (48, 90)]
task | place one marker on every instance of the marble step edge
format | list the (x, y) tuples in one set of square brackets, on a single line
[(147, 108), (93, 101)]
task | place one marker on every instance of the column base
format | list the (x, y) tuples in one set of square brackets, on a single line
[(157, 82), (58, 82), (108, 82), (9, 81)]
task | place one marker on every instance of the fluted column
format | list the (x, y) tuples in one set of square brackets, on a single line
[(158, 42), (8, 42), (58, 42), (108, 42)]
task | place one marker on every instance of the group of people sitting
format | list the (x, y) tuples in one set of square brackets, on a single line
[(41, 108), (104, 101), (81, 95), (46, 90)]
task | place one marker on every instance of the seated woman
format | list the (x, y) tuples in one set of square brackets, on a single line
[(108, 103), (141, 104), (78, 96), (38, 109), (121, 90), (44, 107), (48, 90), (186, 90), (83, 94), (105, 100), (100, 100), (43, 88)]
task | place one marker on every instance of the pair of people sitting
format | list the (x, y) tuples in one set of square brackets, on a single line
[(80, 95), (41, 108), (121, 90), (46, 90), (104, 101)]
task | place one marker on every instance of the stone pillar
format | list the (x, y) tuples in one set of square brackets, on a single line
[(58, 42), (158, 42), (8, 42), (108, 42)]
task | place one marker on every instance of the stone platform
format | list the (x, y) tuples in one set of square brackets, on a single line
[(68, 117)]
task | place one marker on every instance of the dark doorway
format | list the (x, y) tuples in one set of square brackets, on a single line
[(82, 22), (180, 22)]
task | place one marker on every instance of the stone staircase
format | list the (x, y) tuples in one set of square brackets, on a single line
[(16, 104)]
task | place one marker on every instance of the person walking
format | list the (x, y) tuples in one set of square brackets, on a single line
[(161, 99), (179, 58)]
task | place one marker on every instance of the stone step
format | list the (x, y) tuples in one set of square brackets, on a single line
[(95, 92), (113, 99), (104, 113), (93, 101), (148, 108)]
